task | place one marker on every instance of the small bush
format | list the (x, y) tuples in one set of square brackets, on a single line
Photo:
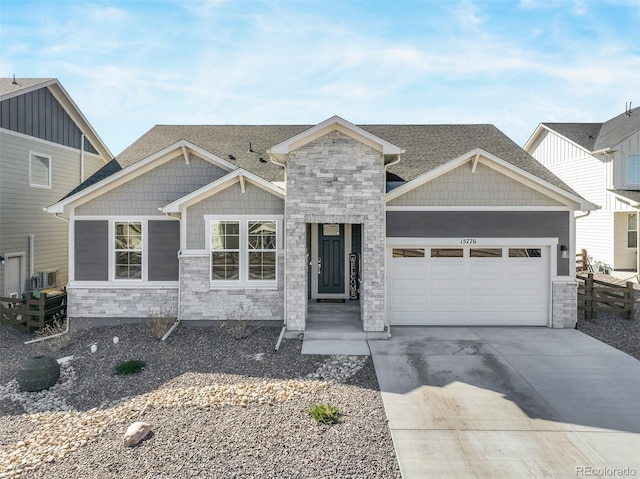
[(159, 320), (132, 366), (239, 324), (54, 339), (325, 413)]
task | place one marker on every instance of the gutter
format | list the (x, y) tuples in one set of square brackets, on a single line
[(284, 320)]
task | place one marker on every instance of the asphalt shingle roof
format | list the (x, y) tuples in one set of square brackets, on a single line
[(632, 195), (598, 136), (427, 146), (7, 86)]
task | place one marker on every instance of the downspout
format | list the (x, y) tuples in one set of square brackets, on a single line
[(32, 260), (284, 320), (178, 309), (82, 137), (384, 227)]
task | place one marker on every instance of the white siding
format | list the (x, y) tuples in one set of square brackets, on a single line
[(21, 207), (551, 149), (595, 234), (630, 145)]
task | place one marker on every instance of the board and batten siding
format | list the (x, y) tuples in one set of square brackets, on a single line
[(21, 206), (39, 114), (483, 224), (230, 201), (154, 189), (93, 247), (484, 187), (551, 149), (629, 145)]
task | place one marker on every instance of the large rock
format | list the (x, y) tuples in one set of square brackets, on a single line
[(38, 373), (136, 432)]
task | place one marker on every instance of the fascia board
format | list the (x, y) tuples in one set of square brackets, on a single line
[(534, 136), (63, 97), (624, 199), (314, 132), (219, 185)]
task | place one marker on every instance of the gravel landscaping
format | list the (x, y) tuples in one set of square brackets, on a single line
[(218, 407), (611, 328)]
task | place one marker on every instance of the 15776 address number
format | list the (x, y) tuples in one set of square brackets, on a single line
[(468, 241)]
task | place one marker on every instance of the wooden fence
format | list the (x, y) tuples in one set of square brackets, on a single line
[(582, 261), (595, 295), (35, 311)]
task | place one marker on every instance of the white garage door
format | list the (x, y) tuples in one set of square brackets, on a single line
[(501, 285)]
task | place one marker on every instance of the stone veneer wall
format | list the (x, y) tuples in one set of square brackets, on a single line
[(335, 179), (120, 303), (564, 303), (198, 301)]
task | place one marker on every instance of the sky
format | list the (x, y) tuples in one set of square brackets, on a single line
[(132, 64)]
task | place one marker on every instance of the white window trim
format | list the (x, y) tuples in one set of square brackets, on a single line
[(41, 155), (244, 282), (627, 183), (630, 231), (112, 249)]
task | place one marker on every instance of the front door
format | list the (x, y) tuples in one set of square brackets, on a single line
[(331, 270)]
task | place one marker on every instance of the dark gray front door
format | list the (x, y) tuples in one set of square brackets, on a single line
[(330, 259)]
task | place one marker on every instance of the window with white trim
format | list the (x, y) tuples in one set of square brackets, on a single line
[(39, 170), (633, 169), (244, 250), (128, 250), (632, 230)]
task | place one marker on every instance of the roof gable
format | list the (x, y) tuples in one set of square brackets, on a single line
[(332, 124)]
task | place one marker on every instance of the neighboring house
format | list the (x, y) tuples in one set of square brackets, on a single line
[(601, 162), (206, 220), (47, 147)]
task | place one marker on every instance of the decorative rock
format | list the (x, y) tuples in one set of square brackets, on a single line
[(94, 348), (38, 373), (136, 432), (116, 340)]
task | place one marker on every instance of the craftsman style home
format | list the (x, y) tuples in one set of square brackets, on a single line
[(600, 161), (414, 224), (47, 147)]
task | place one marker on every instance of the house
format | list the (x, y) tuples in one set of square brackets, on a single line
[(209, 220), (601, 162), (47, 147)]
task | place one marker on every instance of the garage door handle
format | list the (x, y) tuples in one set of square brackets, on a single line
[(319, 265)]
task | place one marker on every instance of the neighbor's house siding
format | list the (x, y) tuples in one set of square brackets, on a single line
[(483, 224), (38, 114), (230, 201), (462, 187), (21, 210), (156, 188)]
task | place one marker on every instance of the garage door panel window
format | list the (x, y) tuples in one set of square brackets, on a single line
[(408, 252), (447, 252), (525, 252), (485, 252)]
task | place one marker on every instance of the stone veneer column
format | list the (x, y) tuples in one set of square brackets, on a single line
[(335, 179), (564, 302)]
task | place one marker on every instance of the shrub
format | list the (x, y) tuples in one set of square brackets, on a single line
[(132, 366), (52, 334), (239, 324), (159, 320), (325, 413)]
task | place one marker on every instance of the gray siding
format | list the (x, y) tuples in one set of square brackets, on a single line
[(164, 244), (483, 224), (91, 250), (156, 188), (21, 206), (484, 187), (231, 201), (38, 113)]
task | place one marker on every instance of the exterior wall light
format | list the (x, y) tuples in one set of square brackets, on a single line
[(564, 252)]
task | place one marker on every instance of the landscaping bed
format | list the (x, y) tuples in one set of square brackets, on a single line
[(611, 327), (218, 407)]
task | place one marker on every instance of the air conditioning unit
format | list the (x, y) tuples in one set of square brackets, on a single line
[(47, 279)]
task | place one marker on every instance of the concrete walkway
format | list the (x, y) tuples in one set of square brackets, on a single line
[(509, 402)]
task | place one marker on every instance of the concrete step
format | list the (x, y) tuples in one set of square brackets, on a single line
[(342, 317), (346, 330)]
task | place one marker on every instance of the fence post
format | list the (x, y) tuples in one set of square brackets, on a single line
[(588, 296), (630, 295)]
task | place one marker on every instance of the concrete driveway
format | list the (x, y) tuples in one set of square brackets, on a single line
[(509, 402)]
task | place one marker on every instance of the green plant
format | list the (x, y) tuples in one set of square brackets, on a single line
[(325, 413), (130, 367)]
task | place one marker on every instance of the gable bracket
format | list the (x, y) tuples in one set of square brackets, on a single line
[(474, 163), (185, 153), (242, 187)]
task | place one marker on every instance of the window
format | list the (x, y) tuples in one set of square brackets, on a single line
[(128, 250), (39, 170), (633, 169), (525, 252), (632, 230), (225, 250), (485, 252), (408, 252), (446, 252), (243, 251)]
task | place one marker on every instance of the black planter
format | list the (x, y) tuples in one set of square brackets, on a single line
[(38, 373)]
